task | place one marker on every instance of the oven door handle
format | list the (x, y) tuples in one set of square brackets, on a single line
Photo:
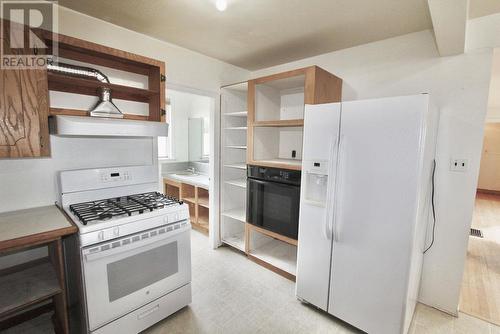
[(143, 243)]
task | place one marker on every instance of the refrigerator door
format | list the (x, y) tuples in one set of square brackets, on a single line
[(321, 129), (379, 161)]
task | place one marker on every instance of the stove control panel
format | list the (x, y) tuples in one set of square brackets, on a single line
[(115, 176)]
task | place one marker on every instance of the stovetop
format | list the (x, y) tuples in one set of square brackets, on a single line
[(124, 206)]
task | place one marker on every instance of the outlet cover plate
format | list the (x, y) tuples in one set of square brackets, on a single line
[(459, 165)]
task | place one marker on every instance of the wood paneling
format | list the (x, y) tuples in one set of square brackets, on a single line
[(23, 111)]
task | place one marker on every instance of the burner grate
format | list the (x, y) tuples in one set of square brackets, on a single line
[(101, 210)]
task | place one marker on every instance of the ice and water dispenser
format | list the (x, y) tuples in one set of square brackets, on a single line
[(316, 185)]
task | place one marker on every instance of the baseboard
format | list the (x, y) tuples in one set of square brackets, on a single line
[(487, 191)]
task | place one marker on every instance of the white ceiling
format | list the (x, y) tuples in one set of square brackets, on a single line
[(255, 34)]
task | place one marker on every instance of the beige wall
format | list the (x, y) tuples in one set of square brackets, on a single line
[(489, 173)]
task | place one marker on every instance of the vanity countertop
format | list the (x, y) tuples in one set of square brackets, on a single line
[(199, 180)]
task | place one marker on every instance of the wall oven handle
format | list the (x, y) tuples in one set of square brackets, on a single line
[(330, 187), (338, 191)]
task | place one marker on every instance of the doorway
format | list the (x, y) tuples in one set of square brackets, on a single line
[(480, 291), (187, 155)]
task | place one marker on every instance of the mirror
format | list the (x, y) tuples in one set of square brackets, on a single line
[(199, 140), (189, 133)]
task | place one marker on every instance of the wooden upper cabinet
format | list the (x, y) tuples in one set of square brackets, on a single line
[(24, 109), (24, 93), (276, 113)]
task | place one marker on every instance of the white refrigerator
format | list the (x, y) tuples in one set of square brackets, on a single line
[(365, 207)]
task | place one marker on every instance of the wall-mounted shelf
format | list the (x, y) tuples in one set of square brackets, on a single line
[(94, 54), (75, 112), (67, 84)]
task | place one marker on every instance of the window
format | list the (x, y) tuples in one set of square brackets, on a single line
[(165, 143)]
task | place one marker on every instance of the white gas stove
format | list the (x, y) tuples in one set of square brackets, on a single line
[(132, 248)]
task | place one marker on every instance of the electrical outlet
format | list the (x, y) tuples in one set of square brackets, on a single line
[(459, 165)]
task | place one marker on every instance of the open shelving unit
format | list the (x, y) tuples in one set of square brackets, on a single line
[(264, 119), (276, 113), (233, 162), (197, 199), (94, 54)]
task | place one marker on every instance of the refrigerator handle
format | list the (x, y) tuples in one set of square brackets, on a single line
[(335, 227), (330, 187)]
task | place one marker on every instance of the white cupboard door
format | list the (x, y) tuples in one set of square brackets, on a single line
[(321, 125), (376, 211)]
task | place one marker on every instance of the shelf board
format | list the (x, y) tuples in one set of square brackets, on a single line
[(69, 84), (237, 147), (278, 254), (27, 287), (203, 201), (242, 183), (238, 214), (279, 163), (237, 128), (236, 240), (240, 165), (280, 123), (75, 112), (236, 114), (189, 199)]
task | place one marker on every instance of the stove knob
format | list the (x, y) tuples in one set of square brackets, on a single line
[(100, 235), (165, 219), (116, 231)]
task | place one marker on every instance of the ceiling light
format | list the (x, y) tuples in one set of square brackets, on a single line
[(221, 5)]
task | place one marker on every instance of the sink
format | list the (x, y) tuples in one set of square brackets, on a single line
[(186, 173)]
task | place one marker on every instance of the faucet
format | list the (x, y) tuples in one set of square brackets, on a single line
[(191, 169)]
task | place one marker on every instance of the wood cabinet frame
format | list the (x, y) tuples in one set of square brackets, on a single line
[(320, 86)]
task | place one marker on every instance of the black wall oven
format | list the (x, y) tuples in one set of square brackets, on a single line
[(273, 198)]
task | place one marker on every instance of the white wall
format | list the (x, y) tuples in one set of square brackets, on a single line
[(28, 183), (410, 64), (489, 174), (186, 105)]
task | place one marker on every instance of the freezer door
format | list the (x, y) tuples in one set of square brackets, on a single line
[(321, 125), (379, 158)]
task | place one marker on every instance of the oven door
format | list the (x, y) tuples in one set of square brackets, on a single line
[(124, 274), (273, 206)]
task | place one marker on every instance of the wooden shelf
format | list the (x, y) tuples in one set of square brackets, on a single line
[(237, 114), (273, 234), (242, 183), (68, 84), (282, 257), (75, 112), (236, 240), (237, 128), (189, 199), (201, 226), (278, 163), (280, 123), (27, 287), (203, 201), (238, 214)]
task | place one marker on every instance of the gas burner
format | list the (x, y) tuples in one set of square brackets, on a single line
[(97, 211)]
